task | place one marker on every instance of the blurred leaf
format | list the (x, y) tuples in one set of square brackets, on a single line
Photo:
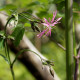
[(27, 24), (11, 37), (8, 7), (76, 6), (18, 34), (2, 37), (76, 16), (4, 58), (1, 33), (57, 1), (23, 18), (28, 16), (61, 5), (34, 3), (1, 42), (45, 2), (42, 14)]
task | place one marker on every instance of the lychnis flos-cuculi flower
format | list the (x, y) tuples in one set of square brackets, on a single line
[(49, 25)]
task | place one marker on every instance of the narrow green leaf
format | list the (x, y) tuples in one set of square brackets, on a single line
[(28, 16), (4, 58)]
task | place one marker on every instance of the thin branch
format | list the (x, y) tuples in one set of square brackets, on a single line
[(61, 46)]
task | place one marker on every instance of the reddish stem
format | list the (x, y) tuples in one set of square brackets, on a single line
[(77, 65)]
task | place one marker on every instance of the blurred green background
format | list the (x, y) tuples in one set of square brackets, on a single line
[(46, 45)]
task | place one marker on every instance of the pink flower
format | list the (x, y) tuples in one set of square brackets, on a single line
[(49, 25)]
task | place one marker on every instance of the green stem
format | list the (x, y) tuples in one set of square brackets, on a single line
[(6, 46), (74, 41), (11, 67), (5, 33), (69, 39), (5, 28), (22, 52), (12, 72), (7, 49)]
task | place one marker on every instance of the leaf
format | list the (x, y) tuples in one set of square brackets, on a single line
[(4, 58), (19, 37), (33, 3), (57, 1), (18, 34), (16, 30), (42, 14), (76, 6), (1, 33), (1, 42), (61, 5), (7, 7), (11, 37), (28, 16)]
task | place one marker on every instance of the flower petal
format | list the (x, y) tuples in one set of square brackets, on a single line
[(46, 21), (54, 15), (53, 24), (49, 32), (45, 24), (39, 35), (58, 19)]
